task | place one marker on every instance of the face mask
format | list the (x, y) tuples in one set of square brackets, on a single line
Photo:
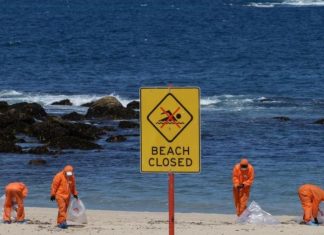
[(244, 167), (69, 173)]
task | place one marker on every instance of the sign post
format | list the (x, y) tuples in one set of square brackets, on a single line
[(170, 134), (171, 203)]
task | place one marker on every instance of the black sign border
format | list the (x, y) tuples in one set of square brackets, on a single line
[(165, 97)]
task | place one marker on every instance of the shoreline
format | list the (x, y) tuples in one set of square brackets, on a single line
[(42, 221)]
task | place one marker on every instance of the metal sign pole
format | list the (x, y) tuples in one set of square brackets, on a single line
[(171, 203)]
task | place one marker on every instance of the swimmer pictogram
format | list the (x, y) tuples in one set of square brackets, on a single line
[(170, 117)]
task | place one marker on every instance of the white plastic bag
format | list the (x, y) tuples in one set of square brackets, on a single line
[(76, 211), (13, 209), (255, 215)]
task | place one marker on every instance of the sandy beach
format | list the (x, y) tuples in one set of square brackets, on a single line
[(42, 222)]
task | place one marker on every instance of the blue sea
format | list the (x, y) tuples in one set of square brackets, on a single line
[(253, 60)]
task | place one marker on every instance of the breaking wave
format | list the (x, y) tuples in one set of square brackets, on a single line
[(12, 96), (224, 102), (296, 3)]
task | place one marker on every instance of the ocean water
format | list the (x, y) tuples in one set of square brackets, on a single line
[(253, 60)]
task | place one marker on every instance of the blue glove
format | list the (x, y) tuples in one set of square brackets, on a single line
[(311, 223)]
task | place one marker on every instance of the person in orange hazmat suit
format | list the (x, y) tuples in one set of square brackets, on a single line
[(63, 186), (310, 197), (243, 177), (15, 194)]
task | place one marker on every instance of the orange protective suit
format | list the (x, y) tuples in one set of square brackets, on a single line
[(310, 197), (62, 188), (15, 193), (242, 177)]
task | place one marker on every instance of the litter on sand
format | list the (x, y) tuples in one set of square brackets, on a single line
[(77, 211), (255, 215)]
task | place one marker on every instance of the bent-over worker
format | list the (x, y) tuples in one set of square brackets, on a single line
[(15, 194)]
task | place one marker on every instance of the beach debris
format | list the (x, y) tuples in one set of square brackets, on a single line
[(109, 107), (117, 138), (282, 118), (255, 215), (320, 121), (63, 102), (128, 124), (77, 211), (37, 162), (133, 105), (74, 116)]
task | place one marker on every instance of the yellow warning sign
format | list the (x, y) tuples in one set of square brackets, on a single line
[(170, 130)]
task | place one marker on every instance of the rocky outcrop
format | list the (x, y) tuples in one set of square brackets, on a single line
[(33, 110), (320, 121), (63, 102), (110, 108), (72, 142), (74, 116), (37, 162), (282, 118), (87, 104), (39, 150), (133, 105), (55, 127), (128, 124), (6, 135), (55, 132), (117, 138), (3, 106), (9, 147), (19, 117)]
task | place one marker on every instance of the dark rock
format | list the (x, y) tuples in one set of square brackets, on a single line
[(282, 118), (128, 124), (39, 150), (109, 128), (14, 118), (74, 116), (33, 110), (54, 128), (132, 135), (265, 100), (117, 138), (49, 129), (63, 102), (9, 147), (72, 142), (87, 104), (20, 117), (3, 106), (133, 105), (21, 141), (7, 136), (320, 121), (20, 127), (11, 124), (37, 162), (110, 108)]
